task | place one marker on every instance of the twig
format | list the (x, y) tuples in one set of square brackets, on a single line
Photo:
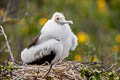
[(16, 75), (48, 71), (3, 32), (108, 69), (37, 72), (118, 70), (7, 43), (76, 67)]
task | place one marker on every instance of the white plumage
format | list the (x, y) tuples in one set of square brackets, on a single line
[(56, 36)]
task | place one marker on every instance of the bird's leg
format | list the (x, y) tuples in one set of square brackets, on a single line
[(48, 71)]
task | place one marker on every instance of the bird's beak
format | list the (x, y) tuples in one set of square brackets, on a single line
[(66, 22)]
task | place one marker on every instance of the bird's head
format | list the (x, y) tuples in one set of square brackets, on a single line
[(60, 18)]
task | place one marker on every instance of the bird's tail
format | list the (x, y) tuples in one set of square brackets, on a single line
[(39, 51)]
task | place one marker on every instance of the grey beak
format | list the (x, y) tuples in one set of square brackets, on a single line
[(66, 22)]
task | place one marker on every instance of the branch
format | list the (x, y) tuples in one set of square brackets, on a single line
[(7, 43), (76, 67), (110, 68), (118, 70), (4, 20)]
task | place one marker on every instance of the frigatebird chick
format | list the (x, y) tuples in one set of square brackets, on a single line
[(52, 44)]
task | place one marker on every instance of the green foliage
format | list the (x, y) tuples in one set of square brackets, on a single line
[(6, 70), (88, 73)]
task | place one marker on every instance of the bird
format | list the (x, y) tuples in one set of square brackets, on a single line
[(52, 44)]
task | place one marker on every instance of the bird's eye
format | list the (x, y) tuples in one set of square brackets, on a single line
[(57, 18)]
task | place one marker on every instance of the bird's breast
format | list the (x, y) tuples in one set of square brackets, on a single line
[(62, 32)]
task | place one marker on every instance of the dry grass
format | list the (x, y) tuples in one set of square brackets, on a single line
[(63, 71)]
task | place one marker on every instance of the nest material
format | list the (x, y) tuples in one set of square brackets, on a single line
[(67, 70), (63, 71)]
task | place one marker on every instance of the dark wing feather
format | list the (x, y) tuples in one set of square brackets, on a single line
[(47, 58), (34, 41)]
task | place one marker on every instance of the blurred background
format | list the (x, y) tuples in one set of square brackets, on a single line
[(96, 24)]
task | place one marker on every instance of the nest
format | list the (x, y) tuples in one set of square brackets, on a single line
[(67, 70), (63, 71)]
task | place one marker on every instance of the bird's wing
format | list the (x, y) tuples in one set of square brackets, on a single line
[(34, 41), (74, 42), (43, 52)]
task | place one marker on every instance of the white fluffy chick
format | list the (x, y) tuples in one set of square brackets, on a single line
[(53, 43)]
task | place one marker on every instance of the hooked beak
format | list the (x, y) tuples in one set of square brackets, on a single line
[(66, 22)]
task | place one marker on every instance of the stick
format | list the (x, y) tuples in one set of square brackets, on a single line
[(76, 67), (110, 68), (118, 70), (48, 71), (7, 43)]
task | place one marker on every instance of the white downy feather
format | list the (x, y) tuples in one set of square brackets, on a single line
[(48, 41)]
